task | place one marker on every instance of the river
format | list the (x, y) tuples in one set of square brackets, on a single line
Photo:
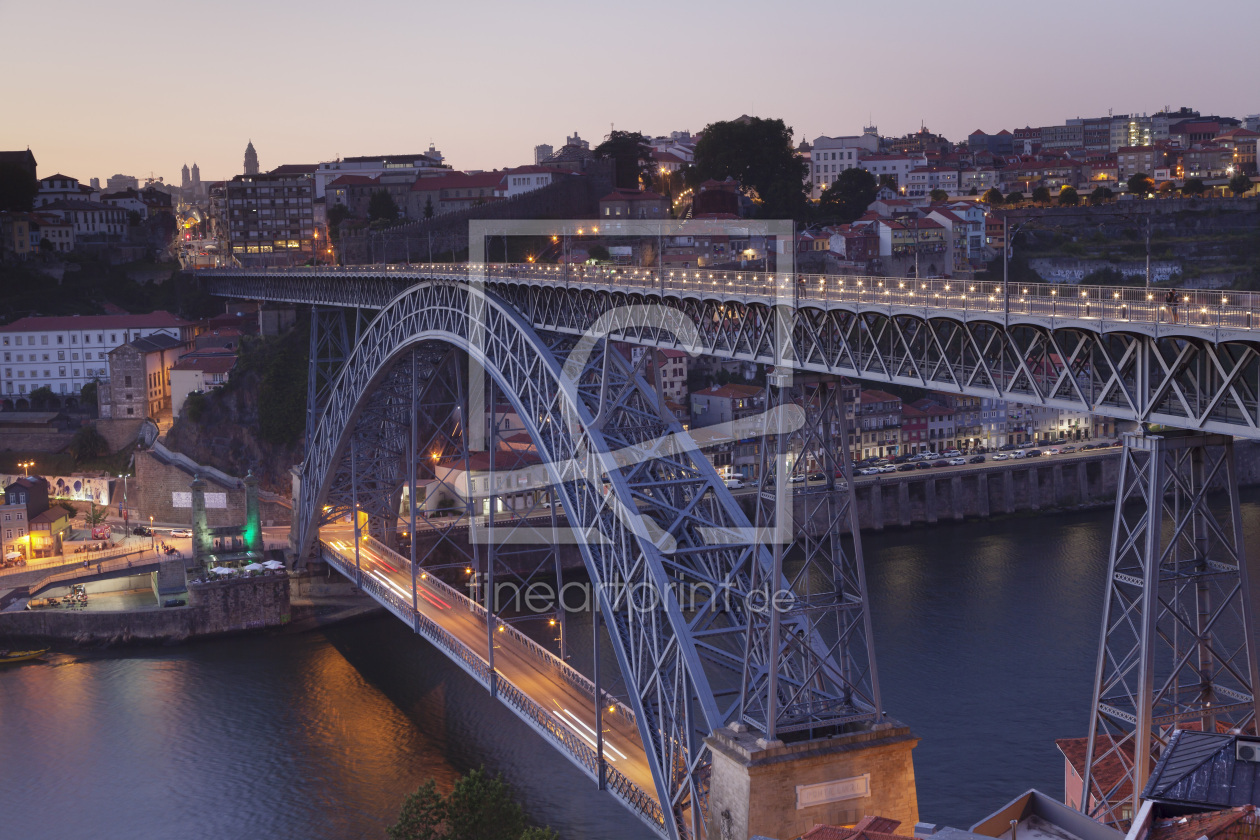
[(986, 635)]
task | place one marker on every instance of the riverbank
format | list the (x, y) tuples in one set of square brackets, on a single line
[(211, 609)]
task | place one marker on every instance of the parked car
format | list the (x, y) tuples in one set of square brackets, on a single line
[(817, 476), (887, 468), (1054, 450), (181, 532), (958, 462), (142, 531), (1065, 450), (938, 464), (951, 453), (907, 468), (1019, 453), (1001, 456), (1086, 447), (923, 465), (174, 602), (735, 484), (868, 471), (1035, 453), (976, 459), (796, 479)]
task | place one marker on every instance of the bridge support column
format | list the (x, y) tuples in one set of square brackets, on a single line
[(1178, 631), (877, 505), (1082, 482), (982, 493), (929, 500), (1034, 489), (904, 517), (1008, 489), (956, 497), (784, 789)]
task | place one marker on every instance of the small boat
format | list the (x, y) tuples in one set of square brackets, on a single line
[(8, 656)]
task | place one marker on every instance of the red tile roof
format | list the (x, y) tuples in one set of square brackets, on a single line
[(868, 828), (633, 195), (731, 391), (458, 181), (1107, 772), (148, 320), (207, 363), (353, 180)]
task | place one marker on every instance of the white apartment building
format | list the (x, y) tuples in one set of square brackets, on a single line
[(65, 353), (923, 179), (832, 155), (523, 179), (898, 166), (373, 166), (89, 217), (63, 188)]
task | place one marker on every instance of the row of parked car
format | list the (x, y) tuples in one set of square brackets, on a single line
[(954, 458)]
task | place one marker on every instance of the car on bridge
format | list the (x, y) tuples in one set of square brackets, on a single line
[(907, 468), (735, 484), (976, 459), (1036, 453), (181, 533), (1001, 456), (958, 462)]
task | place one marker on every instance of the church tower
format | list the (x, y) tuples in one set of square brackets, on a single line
[(183, 180), (251, 159), (196, 179)]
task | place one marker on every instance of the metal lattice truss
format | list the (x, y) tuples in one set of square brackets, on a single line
[(671, 554), (1178, 619), (1189, 377), (812, 663)]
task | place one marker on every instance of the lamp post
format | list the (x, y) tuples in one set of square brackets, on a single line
[(152, 536), (1006, 252), (26, 466), (123, 508)]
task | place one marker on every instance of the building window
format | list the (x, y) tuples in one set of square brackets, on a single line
[(126, 381)]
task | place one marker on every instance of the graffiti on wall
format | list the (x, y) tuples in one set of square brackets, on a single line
[(79, 488)]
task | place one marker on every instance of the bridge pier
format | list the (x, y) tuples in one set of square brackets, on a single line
[(778, 789), (1082, 482), (929, 500), (1178, 630), (903, 504), (982, 491), (1008, 490)]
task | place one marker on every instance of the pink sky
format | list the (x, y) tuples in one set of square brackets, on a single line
[(135, 86)]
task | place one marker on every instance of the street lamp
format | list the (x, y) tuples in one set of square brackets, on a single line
[(123, 507), (26, 466), (152, 536)]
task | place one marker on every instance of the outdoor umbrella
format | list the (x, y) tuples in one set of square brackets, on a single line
[(253, 567)]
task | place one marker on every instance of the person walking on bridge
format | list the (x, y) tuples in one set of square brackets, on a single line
[(1171, 300)]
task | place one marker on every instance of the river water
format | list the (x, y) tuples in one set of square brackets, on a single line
[(986, 635)]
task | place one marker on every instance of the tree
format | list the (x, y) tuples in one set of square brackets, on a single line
[(133, 218), (1140, 184), (938, 195), (1069, 197), (480, 807), (428, 207), (1099, 195), (41, 397), (88, 443), (848, 196), (87, 394), (381, 207), (598, 252), (1041, 195), (1239, 184), (993, 197), (631, 156), (760, 155), (96, 514), (973, 191), (889, 181), (1016, 197), (18, 188), (1193, 186)]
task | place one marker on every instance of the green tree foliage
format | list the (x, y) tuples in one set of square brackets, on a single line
[(1193, 186), (631, 156), (96, 514), (428, 207), (598, 252), (889, 181), (68, 507), (336, 214), (480, 807), (1041, 195), (848, 196), (1140, 184), (938, 195), (993, 197), (18, 188), (1016, 197), (973, 191), (381, 207), (1239, 184), (195, 406), (1100, 195), (87, 394), (88, 443), (41, 397), (760, 155), (282, 408), (1069, 197)]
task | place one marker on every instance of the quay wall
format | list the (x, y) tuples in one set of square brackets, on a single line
[(216, 608)]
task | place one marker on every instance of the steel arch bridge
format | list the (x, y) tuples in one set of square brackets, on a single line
[(1109, 352), (655, 525)]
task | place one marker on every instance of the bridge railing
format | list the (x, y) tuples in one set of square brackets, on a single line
[(633, 796), (561, 668), (1139, 304)]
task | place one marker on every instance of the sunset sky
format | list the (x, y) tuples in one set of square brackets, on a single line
[(136, 86)]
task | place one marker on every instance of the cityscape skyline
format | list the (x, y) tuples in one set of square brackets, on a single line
[(351, 106)]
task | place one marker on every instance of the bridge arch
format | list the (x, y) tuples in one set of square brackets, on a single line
[(599, 422)]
